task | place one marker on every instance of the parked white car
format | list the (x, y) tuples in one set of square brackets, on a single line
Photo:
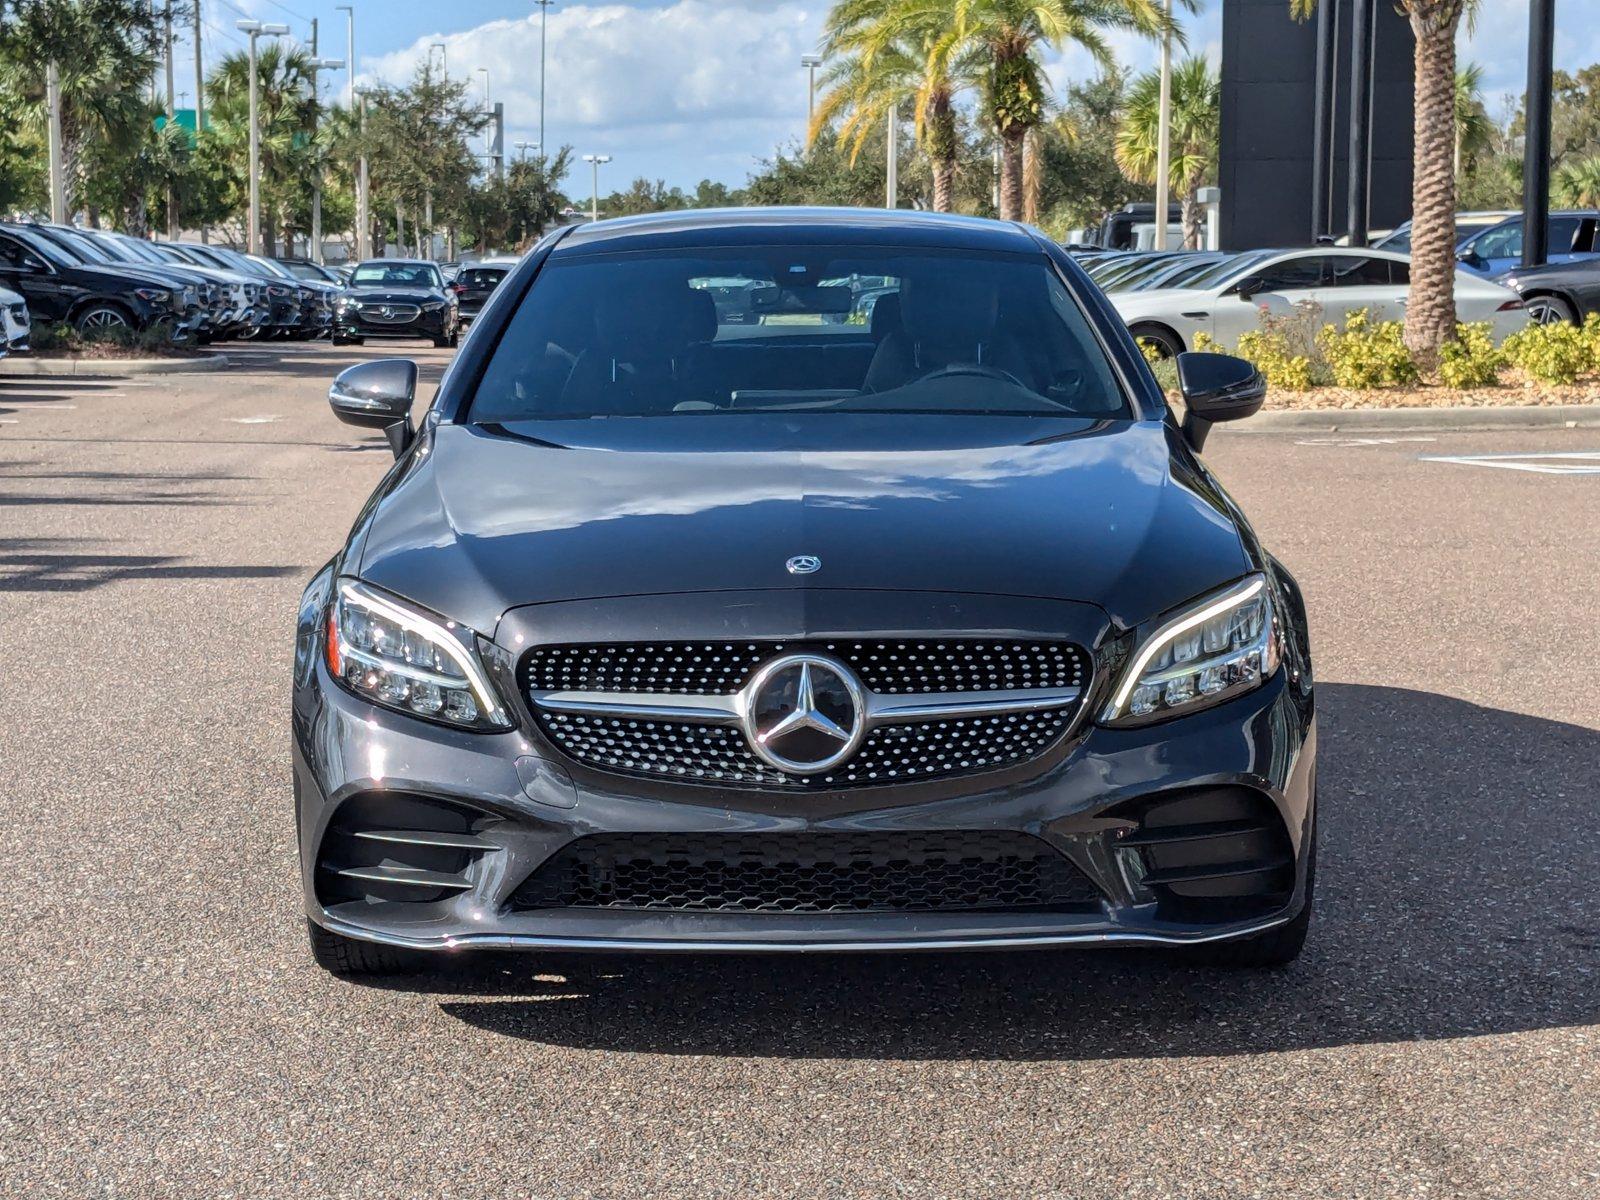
[(14, 323), (1230, 298)]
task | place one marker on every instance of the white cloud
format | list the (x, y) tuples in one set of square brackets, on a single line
[(688, 89), (694, 89)]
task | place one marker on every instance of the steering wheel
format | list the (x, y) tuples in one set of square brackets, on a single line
[(978, 369)]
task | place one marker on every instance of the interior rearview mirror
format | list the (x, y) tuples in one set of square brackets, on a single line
[(1217, 387), (378, 395)]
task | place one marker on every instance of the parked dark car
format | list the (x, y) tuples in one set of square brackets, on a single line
[(475, 284), (396, 298), (931, 632), (251, 303), (202, 295), (60, 285), (1490, 245), (1557, 292)]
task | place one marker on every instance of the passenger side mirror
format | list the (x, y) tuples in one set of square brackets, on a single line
[(378, 395), (1247, 288), (1217, 387), (1469, 256)]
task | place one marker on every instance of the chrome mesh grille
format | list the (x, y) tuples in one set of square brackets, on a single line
[(901, 665), (891, 754), (814, 871), (718, 754)]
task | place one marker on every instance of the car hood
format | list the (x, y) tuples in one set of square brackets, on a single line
[(138, 276), (390, 295), (487, 518)]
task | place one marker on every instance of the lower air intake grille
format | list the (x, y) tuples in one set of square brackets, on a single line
[(809, 872)]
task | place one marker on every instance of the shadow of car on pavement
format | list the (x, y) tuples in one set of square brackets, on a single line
[(1456, 898)]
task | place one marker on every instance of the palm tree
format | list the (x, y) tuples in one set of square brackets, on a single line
[(1473, 126), (1013, 34), (1578, 182), (105, 51), (1196, 110), (1431, 310), (881, 59), (286, 118)]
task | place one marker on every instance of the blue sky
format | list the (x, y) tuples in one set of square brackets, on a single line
[(688, 89)]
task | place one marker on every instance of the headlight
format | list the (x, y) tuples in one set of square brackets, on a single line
[(277, 289), (432, 305), (152, 295), (397, 656), (1222, 645)]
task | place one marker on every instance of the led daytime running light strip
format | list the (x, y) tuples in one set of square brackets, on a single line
[(1134, 674), (362, 597)]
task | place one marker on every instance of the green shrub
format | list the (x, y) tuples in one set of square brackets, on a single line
[(1362, 355), (1558, 353), (1166, 372), (1473, 360), (1284, 348)]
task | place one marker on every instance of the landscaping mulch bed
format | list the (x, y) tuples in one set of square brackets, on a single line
[(1511, 394)]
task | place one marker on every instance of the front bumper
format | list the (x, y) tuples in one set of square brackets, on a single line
[(1081, 798), (426, 324)]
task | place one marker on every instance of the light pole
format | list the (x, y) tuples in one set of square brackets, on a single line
[(363, 217), (594, 160), (488, 137), (544, 13), (892, 187), (256, 29), (522, 149), (1164, 138), (811, 62), (444, 63), (315, 65), (349, 12)]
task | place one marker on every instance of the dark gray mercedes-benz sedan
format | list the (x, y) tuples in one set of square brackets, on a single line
[(801, 580)]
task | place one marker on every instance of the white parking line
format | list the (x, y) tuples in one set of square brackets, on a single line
[(268, 420), (1361, 441), (1540, 462)]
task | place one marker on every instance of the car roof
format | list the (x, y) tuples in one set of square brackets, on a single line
[(816, 226), (397, 262)]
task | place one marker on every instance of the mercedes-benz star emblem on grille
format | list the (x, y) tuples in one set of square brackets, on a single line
[(804, 713), (803, 564), (385, 311)]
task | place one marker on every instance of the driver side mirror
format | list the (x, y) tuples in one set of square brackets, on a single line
[(378, 395), (1217, 387), (1247, 288)]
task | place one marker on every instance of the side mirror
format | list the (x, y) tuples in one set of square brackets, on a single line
[(1469, 256), (1247, 288), (378, 395), (1217, 387)]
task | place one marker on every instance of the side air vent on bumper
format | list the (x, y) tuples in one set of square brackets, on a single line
[(1216, 854), (389, 847), (809, 872)]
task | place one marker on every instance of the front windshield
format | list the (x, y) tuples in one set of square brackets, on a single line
[(797, 328), (381, 274), (84, 247)]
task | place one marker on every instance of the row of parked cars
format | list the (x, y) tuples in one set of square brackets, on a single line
[(1169, 297), (100, 282)]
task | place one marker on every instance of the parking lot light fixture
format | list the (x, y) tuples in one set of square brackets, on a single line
[(594, 161), (256, 29), (811, 62)]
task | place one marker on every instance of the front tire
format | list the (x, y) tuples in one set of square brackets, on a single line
[(101, 319), (348, 957)]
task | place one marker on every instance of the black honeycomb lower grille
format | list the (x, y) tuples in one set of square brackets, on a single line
[(817, 872)]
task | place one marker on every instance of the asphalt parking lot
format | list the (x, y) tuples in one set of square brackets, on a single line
[(163, 1031)]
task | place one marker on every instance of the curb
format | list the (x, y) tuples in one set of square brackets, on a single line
[(1331, 420), (112, 367)]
